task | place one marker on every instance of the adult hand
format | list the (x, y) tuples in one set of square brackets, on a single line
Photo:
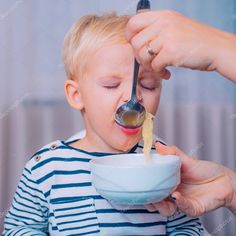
[(175, 40), (204, 186)]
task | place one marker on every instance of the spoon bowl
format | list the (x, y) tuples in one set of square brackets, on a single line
[(130, 114)]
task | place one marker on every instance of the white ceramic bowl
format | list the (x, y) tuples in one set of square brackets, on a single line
[(130, 179)]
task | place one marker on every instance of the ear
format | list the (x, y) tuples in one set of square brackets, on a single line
[(73, 94)]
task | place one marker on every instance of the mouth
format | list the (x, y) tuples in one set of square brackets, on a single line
[(130, 130)]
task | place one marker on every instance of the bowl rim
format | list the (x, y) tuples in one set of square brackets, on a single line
[(97, 161)]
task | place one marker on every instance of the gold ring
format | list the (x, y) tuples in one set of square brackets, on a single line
[(150, 50)]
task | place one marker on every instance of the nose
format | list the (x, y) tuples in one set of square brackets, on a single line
[(125, 99), (127, 95), (139, 95)]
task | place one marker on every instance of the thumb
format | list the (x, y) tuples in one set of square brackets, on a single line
[(187, 162), (167, 150)]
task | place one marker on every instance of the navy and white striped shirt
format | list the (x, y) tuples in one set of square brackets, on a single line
[(55, 197)]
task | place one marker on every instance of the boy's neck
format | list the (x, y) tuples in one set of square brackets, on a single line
[(90, 145)]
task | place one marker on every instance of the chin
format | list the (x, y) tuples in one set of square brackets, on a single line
[(127, 145), (121, 142)]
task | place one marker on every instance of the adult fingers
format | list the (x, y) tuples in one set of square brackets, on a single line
[(140, 21), (166, 207), (167, 150), (144, 37)]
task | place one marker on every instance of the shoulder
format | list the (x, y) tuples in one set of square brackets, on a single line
[(57, 145), (52, 162), (48, 155), (44, 154)]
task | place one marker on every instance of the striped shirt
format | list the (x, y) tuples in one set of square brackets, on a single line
[(55, 197)]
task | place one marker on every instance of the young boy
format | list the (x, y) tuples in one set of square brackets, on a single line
[(55, 195)]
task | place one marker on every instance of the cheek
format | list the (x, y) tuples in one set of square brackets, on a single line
[(102, 103)]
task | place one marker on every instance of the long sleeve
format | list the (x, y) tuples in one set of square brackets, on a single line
[(28, 214), (181, 225)]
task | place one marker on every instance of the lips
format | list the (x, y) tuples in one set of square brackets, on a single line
[(129, 131)]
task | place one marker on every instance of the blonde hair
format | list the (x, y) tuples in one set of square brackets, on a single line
[(88, 34)]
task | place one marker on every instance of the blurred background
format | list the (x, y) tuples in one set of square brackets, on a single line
[(197, 111)]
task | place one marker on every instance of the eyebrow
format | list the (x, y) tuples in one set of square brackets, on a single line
[(108, 77)]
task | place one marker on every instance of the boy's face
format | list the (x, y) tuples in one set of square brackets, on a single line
[(106, 85)]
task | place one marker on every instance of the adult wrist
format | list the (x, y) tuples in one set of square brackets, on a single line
[(224, 55), (231, 202)]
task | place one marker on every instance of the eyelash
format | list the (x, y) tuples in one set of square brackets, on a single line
[(147, 88), (111, 87)]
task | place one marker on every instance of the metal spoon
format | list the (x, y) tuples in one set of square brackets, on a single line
[(132, 113)]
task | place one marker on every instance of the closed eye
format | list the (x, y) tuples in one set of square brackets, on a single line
[(148, 84), (109, 82), (148, 87), (111, 86)]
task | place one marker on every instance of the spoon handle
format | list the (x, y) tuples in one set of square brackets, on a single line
[(135, 80), (142, 5)]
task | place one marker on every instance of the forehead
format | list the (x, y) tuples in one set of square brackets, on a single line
[(116, 57)]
